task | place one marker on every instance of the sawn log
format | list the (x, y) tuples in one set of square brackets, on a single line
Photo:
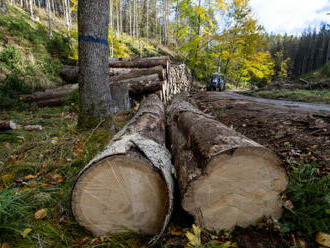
[(128, 186), (225, 179)]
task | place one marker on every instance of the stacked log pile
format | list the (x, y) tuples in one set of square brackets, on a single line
[(141, 76), (128, 187)]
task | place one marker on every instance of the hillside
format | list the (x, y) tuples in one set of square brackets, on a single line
[(31, 61)]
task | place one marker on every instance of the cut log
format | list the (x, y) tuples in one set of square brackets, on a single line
[(179, 79), (44, 96), (140, 63), (120, 98), (225, 179), (69, 74), (139, 73), (128, 187), (7, 125), (141, 85)]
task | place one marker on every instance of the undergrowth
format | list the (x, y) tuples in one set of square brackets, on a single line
[(29, 59), (309, 193)]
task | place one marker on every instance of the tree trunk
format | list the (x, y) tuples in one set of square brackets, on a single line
[(7, 125), (70, 73), (95, 95), (128, 186), (57, 95), (147, 26), (225, 179), (31, 9), (3, 7), (49, 19), (140, 63)]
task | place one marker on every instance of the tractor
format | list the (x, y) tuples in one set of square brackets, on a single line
[(217, 80)]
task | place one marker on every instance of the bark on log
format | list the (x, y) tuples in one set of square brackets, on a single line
[(128, 186), (70, 74), (225, 179), (139, 73), (141, 85), (7, 125), (44, 96), (140, 63)]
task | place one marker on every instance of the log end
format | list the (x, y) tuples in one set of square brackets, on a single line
[(238, 187), (120, 194), (12, 125)]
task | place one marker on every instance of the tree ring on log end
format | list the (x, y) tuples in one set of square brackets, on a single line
[(237, 187), (120, 194)]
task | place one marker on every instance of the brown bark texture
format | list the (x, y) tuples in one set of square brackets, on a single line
[(139, 63), (130, 181), (7, 125), (225, 179)]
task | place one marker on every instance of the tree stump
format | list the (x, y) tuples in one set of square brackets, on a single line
[(128, 186), (225, 179)]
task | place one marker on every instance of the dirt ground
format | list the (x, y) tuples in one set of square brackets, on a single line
[(294, 134)]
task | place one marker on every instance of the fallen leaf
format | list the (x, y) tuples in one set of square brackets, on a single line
[(288, 205), (175, 232), (46, 185), (286, 143), (5, 245), (323, 239), (40, 214), (83, 241), (33, 176), (25, 232), (58, 178)]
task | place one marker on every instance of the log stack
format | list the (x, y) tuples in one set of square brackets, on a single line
[(141, 76), (225, 179), (128, 186)]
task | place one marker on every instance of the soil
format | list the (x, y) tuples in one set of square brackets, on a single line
[(300, 133)]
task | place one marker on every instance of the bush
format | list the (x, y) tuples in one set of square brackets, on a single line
[(11, 58), (310, 196)]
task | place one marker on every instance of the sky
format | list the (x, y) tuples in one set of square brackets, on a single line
[(291, 16)]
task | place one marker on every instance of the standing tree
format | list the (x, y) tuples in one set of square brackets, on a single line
[(31, 8), (95, 96), (3, 7), (49, 19)]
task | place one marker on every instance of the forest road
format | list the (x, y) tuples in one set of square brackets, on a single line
[(309, 107)]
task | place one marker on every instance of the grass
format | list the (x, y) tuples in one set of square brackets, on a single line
[(37, 172), (313, 96), (29, 59), (309, 193)]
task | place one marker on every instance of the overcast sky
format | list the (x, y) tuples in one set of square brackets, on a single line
[(291, 16)]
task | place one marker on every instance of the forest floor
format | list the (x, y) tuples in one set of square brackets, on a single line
[(38, 169), (299, 133)]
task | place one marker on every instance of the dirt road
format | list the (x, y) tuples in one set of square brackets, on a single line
[(296, 131), (311, 107)]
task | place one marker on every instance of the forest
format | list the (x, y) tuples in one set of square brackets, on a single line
[(111, 136)]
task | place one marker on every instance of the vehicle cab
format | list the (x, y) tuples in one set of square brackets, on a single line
[(217, 82)]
